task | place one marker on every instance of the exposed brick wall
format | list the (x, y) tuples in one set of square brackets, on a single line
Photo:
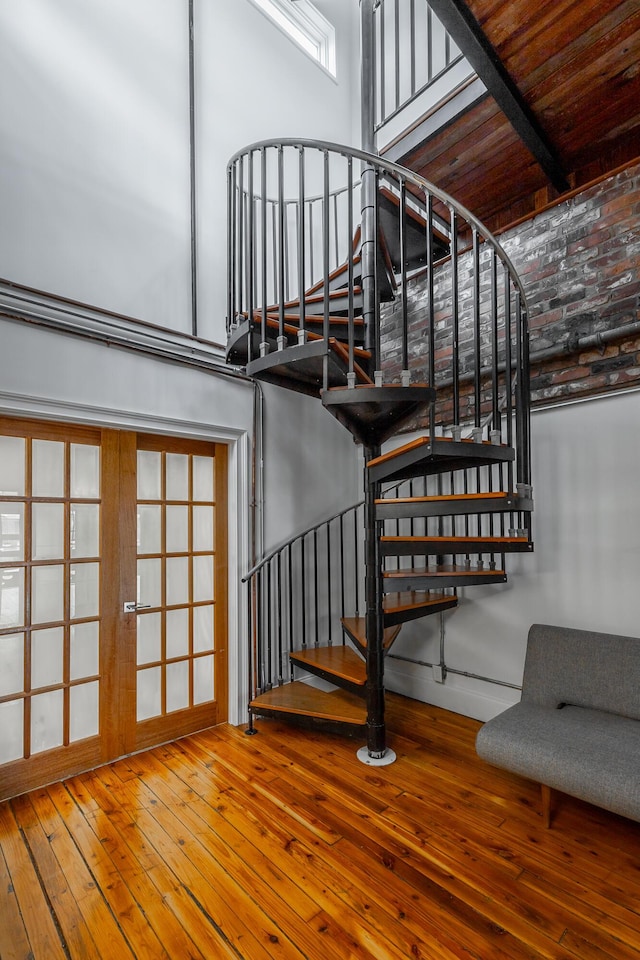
[(580, 266), (579, 263)]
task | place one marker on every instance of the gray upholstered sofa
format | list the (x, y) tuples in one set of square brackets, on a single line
[(577, 726)]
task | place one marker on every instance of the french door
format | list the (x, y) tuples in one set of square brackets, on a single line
[(113, 560)]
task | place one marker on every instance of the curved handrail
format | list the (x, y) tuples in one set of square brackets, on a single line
[(299, 536), (395, 170)]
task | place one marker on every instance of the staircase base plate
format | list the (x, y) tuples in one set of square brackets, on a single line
[(388, 758)]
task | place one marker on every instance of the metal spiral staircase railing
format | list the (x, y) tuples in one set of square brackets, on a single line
[(356, 281)]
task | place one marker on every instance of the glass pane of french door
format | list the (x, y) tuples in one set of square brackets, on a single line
[(180, 643), (50, 573)]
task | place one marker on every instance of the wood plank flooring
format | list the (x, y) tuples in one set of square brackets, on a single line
[(282, 845)]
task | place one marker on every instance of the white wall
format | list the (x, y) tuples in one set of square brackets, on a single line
[(253, 83), (94, 141), (94, 153), (584, 572)]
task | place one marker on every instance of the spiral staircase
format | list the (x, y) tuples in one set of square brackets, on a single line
[(355, 281)]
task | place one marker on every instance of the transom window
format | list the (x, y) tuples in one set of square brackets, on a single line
[(306, 26)]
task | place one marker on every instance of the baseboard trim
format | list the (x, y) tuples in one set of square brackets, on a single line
[(471, 698)]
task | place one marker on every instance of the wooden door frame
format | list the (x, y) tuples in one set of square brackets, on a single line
[(138, 735), (238, 443)]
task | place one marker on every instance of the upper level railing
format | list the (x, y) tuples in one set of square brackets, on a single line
[(440, 300), (412, 51)]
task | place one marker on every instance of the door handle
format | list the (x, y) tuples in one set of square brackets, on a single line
[(130, 606)]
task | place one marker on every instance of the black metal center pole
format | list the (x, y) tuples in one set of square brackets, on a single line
[(376, 738)]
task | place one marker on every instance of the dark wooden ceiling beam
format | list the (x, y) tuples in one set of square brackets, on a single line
[(470, 38)]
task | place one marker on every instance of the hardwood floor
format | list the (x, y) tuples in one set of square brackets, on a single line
[(284, 846)]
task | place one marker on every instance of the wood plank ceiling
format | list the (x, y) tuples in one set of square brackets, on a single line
[(577, 65)]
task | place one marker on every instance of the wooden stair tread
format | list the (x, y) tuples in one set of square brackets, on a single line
[(446, 498), (273, 323), (342, 350), (339, 661), (413, 599), (442, 570), (343, 268), (423, 442), (452, 505), (302, 699), (455, 539), (301, 366), (333, 295), (292, 329), (316, 319), (395, 386), (391, 454), (408, 546), (356, 628)]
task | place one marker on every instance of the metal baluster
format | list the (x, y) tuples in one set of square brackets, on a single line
[(383, 63), (411, 489), (329, 583), (430, 310), (278, 611), (325, 267), (269, 652), (231, 254), (476, 329), (336, 254), (274, 237), (315, 581), (342, 568), (250, 244), (429, 45), (290, 600), (412, 28), (311, 245), (281, 251), (251, 651), (303, 610), (508, 364), (455, 323), (524, 451), (403, 280), (465, 490), (260, 666), (356, 558), (396, 52), (351, 312), (377, 348), (263, 220), (287, 266), (495, 401), (241, 250), (301, 247)]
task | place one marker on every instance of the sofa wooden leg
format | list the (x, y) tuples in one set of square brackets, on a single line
[(546, 805)]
